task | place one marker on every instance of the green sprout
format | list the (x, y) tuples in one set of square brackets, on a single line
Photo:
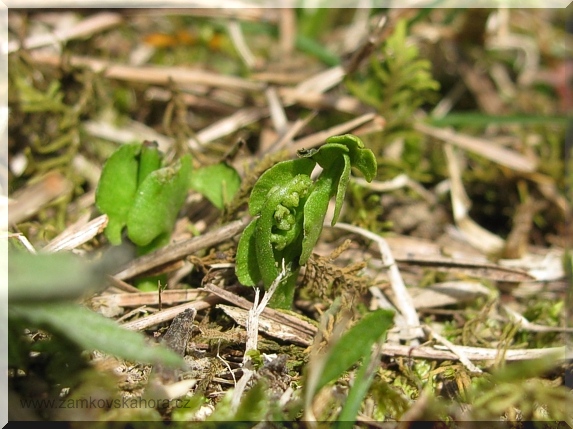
[(290, 209), (138, 193)]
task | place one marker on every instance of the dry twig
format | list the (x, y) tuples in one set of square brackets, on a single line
[(77, 234), (85, 28), (29, 200), (179, 250), (483, 147), (404, 301), (454, 349), (255, 313), (170, 313), (155, 75)]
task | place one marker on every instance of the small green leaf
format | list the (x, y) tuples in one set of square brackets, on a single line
[(256, 358), (354, 345), (343, 179), (247, 266), (116, 189), (218, 183), (279, 175), (350, 149), (362, 159), (157, 203), (329, 155), (92, 331), (365, 162), (357, 392), (314, 214)]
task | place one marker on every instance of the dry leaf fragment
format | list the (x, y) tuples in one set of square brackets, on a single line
[(447, 293)]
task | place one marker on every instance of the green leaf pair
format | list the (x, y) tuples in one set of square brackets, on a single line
[(291, 208), (136, 192)]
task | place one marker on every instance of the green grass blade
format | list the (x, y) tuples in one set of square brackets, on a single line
[(354, 345)]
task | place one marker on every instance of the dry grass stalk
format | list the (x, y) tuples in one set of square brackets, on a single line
[(22, 239), (85, 28), (230, 124), (316, 100), (447, 293), (32, 198), (169, 313), (130, 132), (306, 329), (240, 44), (269, 327), (403, 299), (222, 102), (179, 250), (473, 353), (398, 182), (322, 81), (278, 114), (168, 297), (154, 75), (121, 285), (533, 327), (459, 352), (286, 138), (77, 234), (480, 146), (255, 313), (468, 267), (287, 31)]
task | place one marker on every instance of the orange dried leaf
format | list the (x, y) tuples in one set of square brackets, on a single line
[(161, 40)]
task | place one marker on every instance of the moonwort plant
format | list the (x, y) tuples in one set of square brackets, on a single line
[(290, 209), (138, 192), (135, 192)]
